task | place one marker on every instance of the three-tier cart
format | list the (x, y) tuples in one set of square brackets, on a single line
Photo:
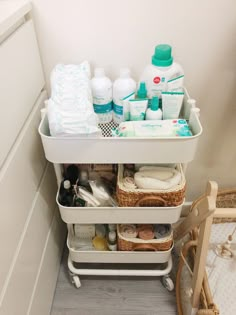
[(61, 150)]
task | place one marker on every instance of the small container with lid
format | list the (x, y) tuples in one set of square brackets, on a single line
[(112, 241)]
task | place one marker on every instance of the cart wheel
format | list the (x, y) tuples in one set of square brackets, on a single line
[(167, 283), (76, 281)]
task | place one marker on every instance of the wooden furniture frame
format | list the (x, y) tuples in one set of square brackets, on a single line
[(201, 216)]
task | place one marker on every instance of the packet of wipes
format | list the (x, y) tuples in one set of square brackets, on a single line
[(153, 128)]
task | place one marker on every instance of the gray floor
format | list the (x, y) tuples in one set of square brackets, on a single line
[(111, 295)]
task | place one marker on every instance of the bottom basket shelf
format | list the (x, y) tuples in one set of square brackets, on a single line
[(125, 257)]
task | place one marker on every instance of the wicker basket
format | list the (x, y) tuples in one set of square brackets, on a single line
[(137, 244), (150, 198), (225, 199)]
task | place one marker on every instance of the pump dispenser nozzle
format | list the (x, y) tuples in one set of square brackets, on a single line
[(142, 91)]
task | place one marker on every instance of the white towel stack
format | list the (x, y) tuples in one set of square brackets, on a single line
[(154, 177)]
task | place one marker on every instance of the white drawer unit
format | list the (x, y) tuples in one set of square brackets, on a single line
[(21, 72), (31, 243)]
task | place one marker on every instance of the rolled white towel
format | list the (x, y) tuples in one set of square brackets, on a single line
[(157, 178)]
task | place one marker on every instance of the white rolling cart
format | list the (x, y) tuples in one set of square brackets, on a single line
[(60, 150)]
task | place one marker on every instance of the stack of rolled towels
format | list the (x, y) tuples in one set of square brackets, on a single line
[(145, 231), (152, 178)]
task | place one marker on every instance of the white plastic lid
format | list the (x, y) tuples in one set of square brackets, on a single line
[(99, 72), (67, 184), (112, 236), (124, 73), (191, 102)]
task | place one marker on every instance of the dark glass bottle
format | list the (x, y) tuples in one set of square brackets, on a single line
[(72, 174), (65, 194)]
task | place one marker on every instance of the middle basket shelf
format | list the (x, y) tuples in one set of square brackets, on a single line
[(86, 215), (132, 204)]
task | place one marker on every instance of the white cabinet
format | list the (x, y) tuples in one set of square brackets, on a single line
[(22, 80), (31, 237)]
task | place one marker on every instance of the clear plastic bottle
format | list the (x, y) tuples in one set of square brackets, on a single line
[(122, 87), (161, 70), (112, 241), (102, 96)]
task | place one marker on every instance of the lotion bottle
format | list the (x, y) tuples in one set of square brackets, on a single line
[(154, 112), (123, 87), (102, 96)]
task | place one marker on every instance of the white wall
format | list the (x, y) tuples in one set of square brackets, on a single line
[(113, 34)]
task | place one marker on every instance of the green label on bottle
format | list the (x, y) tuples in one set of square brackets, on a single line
[(102, 109), (118, 109)]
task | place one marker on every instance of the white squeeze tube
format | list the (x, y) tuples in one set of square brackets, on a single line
[(138, 109), (171, 104)]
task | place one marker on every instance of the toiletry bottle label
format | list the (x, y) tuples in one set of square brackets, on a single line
[(158, 85), (103, 108), (118, 109)]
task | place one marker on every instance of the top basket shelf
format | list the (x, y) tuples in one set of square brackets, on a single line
[(123, 150)]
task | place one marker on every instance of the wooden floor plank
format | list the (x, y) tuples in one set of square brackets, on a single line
[(111, 295)]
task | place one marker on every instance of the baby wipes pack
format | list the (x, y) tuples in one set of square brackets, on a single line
[(153, 128)]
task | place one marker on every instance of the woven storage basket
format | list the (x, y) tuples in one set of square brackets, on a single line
[(150, 198), (137, 244), (225, 199)]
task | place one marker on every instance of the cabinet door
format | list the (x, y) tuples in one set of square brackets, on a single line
[(21, 80)]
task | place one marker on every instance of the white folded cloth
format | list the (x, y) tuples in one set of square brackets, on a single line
[(157, 178)]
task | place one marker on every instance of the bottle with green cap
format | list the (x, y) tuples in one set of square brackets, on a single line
[(162, 69), (154, 112)]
